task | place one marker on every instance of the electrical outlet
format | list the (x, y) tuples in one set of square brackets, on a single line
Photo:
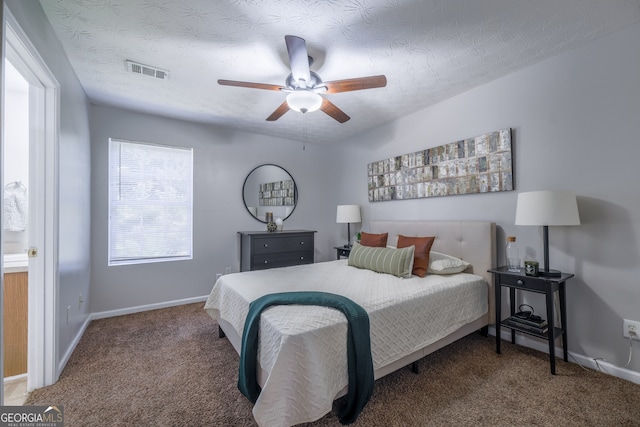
[(227, 270), (629, 326), (68, 310), (80, 301)]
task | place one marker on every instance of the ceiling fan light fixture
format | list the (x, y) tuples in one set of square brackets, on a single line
[(304, 101), (304, 85)]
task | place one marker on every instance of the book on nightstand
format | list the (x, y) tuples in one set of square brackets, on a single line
[(530, 326), (531, 321)]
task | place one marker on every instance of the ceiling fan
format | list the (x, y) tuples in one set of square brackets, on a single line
[(305, 86)]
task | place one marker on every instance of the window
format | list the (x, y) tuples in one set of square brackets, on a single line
[(150, 202)]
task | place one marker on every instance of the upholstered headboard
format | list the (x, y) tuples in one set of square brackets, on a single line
[(472, 241)]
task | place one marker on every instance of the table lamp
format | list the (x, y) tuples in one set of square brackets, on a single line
[(545, 208), (348, 214)]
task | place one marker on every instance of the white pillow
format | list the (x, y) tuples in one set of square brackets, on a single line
[(445, 264)]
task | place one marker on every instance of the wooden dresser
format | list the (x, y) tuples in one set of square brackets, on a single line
[(260, 250)]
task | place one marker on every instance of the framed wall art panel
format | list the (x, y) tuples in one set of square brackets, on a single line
[(481, 164)]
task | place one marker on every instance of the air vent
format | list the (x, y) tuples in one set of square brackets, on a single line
[(147, 70)]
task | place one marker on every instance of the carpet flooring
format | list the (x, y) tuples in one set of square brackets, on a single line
[(169, 368)]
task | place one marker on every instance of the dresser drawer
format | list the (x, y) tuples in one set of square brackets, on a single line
[(278, 244), (262, 262), (262, 250)]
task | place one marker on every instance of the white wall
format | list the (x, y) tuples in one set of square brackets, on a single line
[(222, 160), (575, 121), (74, 173)]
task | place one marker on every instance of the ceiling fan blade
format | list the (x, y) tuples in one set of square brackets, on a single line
[(250, 85), (298, 59), (279, 112), (359, 83), (329, 108)]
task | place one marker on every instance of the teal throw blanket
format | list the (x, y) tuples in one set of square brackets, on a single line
[(360, 363)]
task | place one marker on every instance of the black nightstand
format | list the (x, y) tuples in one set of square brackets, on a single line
[(540, 284), (342, 251)]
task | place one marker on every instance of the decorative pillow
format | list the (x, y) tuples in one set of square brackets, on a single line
[(375, 240), (446, 264), (398, 262), (421, 254)]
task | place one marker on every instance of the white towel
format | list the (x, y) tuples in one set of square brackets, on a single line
[(15, 210)]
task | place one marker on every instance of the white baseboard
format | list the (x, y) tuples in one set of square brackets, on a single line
[(146, 307), (13, 378), (119, 312), (580, 359), (607, 368), (72, 347)]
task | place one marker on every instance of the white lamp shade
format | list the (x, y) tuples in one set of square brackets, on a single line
[(348, 214), (304, 101), (548, 207)]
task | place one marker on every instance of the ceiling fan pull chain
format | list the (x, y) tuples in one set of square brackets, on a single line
[(304, 131)]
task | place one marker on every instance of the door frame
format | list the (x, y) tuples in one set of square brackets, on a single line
[(2, 25), (43, 218)]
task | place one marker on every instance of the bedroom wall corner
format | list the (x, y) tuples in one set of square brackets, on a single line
[(74, 173), (221, 164), (574, 122)]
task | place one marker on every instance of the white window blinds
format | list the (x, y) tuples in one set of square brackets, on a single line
[(150, 202)]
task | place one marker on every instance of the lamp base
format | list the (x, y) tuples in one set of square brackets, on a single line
[(547, 272), (550, 273)]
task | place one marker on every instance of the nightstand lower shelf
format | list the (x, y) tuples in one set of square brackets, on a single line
[(543, 285)]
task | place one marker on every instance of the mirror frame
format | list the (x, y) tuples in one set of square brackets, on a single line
[(295, 191)]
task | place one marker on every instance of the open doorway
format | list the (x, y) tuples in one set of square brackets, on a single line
[(15, 239), (41, 192)]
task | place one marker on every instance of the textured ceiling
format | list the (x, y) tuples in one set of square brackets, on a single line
[(429, 50)]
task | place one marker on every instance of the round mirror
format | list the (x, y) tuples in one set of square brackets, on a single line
[(269, 189)]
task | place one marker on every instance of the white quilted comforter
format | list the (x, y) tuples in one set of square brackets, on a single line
[(304, 347)]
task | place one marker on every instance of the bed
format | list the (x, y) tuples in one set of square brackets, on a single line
[(302, 352)]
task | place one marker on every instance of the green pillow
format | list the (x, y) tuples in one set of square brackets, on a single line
[(398, 262)]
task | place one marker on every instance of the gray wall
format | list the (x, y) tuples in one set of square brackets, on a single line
[(74, 172), (222, 160), (575, 121)]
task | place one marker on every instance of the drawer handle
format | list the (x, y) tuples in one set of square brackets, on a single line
[(301, 257), (266, 262), (302, 243), (266, 245), (520, 282)]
